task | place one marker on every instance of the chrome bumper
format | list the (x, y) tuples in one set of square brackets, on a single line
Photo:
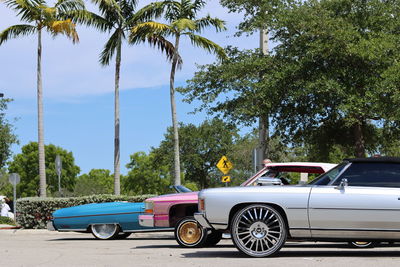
[(50, 226), (201, 219), (146, 220)]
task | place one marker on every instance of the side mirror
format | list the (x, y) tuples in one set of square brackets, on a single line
[(343, 184), (265, 181)]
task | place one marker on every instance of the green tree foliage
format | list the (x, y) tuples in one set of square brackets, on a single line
[(201, 148), (97, 181), (26, 165), (7, 137), (146, 175), (234, 89), (6, 188), (331, 81)]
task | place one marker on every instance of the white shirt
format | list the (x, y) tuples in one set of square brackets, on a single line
[(5, 209)]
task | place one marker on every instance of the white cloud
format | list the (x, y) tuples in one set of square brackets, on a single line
[(71, 71)]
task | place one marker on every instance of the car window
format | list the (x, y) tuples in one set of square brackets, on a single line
[(326, 178), (372, 174)]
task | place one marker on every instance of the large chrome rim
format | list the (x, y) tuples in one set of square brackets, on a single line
[(104, 231), (190, 233), (258, 230)]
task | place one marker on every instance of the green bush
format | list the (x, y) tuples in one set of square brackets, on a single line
[(6, 220), (35, 212)]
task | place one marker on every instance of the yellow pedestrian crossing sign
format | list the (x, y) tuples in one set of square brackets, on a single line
[(226, 179), (224, 165)]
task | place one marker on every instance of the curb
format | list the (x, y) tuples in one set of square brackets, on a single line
[(5, 227)]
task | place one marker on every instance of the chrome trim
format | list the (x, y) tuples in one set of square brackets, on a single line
[(201, 219), (357, 233), (148, 221)]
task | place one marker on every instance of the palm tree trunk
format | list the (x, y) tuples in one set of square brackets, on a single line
[(42, 166), (117, 183), (177, 167)]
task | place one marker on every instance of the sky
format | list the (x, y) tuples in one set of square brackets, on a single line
[(79, 93)]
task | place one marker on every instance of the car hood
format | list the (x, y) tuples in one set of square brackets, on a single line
[(176, 197), (99, 208)]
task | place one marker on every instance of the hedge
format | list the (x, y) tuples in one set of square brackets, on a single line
[(35, 212)]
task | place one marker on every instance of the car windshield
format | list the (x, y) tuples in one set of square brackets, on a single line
[(329, 176), (181, 189)]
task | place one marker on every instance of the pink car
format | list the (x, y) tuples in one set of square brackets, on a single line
[(176, 210)]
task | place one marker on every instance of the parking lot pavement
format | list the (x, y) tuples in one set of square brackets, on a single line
[(44, 248)]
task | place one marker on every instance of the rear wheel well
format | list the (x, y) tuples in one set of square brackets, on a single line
[(275, 206), (178, 212)]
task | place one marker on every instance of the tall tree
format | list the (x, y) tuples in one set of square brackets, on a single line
[(97, 181), (41, 17), (118, 17), (338, 54), (26, 165), (181, 17)]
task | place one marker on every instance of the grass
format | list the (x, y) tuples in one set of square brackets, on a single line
[(6, 220)]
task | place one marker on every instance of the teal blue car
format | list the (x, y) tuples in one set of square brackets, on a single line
[(112, 220)]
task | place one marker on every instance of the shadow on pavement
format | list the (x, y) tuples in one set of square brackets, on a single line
[(364, 253), (113, 240)]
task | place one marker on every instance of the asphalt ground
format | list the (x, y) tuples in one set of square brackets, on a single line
[(44, 248)]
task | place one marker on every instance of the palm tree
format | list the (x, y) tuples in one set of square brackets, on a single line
[(181, 21), (41, 17), (118, 17)]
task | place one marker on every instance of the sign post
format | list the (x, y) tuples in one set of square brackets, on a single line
[(14, 180), (58, 170), (224, 165)]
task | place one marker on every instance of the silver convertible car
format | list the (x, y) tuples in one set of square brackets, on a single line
[(357, 200)]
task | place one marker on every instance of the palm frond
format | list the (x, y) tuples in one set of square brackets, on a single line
[(184, 25), (141, 32), (66, 27), (64, 6), (110, 9), (197, 5), (29, 10), (149, 12), (16, 31), (90, 19), (110, 48), (164, 45), (208, 21), (207, 45), (173, 10)]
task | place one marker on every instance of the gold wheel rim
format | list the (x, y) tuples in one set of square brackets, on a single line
[(190, 233)]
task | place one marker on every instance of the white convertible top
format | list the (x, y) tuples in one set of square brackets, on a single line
[(301, 167)]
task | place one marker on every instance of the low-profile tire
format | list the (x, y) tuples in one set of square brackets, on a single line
[(213, 238), (189, 234), (122, 235), (258, 230), (105, 231), (362, 244)]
